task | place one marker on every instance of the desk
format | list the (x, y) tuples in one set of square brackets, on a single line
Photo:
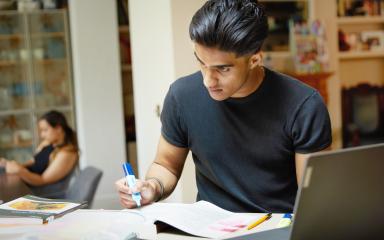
[(11, 187), (103, 224)]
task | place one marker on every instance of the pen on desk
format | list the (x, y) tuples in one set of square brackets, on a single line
[(131, 181), (259, 221)]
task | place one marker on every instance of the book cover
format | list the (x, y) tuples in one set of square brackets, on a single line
[(31, 209)]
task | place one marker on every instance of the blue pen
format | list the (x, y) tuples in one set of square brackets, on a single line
[(131, 181)]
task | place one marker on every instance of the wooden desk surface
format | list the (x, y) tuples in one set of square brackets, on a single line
[(11, 187)]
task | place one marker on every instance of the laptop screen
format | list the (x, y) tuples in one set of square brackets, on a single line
[(342, 195)]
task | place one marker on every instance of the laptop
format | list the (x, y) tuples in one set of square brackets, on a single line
[(341, 197)]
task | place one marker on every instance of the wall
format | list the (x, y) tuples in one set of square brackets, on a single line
[(161, 52), (98, 93)]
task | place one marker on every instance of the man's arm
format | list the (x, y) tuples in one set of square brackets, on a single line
[(167, 167), (161, 178), (300, 165)]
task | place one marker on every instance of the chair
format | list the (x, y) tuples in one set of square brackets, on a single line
[(84, 186), (363, 115)]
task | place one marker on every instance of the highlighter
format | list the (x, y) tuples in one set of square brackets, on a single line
[(285, 221), (131, 181)]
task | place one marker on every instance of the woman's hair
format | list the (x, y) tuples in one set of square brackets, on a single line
[(238, 26), (55, 119)]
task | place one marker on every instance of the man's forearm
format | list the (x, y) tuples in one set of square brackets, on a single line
[(167, 179)]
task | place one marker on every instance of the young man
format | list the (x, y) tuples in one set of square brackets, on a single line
[(247, 126)]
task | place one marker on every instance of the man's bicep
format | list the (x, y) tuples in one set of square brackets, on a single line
[(171, 157)]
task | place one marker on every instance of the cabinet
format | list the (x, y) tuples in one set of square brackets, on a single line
[(35, 76)]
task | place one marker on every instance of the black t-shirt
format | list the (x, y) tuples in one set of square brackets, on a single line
[(244, 148)]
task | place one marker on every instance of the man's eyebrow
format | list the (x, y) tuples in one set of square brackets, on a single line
[(214, 66)]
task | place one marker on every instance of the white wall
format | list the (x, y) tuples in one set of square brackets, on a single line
[(161, 52), (98, 93), (185, 63)]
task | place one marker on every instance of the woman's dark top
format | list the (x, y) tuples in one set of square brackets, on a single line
[(53, 190), (41, 160)]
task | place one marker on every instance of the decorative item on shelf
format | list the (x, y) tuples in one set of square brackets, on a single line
[(359, 7), (309, 47), (344, 45), (50, 4), (373, 40), (28, 5), (7, 4)]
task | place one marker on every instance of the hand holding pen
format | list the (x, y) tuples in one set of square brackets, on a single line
[(146, 189), (131, 182)]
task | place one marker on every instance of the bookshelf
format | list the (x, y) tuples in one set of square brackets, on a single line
[(354, 65)]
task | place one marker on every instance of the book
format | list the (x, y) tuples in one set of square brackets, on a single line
[(35, 210), (201, 218)]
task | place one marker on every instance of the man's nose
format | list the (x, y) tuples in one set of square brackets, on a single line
[(210, 78)]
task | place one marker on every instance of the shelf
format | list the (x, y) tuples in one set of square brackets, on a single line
[(8, 63), (48, 35), (124, 29), (126, 67), (14, 112), (361, 54), (51, 61), (360, 20), (11, 37), (21, 144)]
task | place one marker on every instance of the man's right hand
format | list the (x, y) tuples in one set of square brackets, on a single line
[(147, 190)]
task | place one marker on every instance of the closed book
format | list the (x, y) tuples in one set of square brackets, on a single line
[(35, 210)]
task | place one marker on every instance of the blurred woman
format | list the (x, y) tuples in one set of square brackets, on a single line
[(49, 171)]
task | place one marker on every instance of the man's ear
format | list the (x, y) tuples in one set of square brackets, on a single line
[(255, 60)]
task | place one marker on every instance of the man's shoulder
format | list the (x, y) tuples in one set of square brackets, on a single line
[(290, 85), (187, 84), (289, 80)]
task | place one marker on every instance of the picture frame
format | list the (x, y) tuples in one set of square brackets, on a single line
[(374, 40)]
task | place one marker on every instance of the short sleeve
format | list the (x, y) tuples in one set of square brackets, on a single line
[(172, 128), (311, 129)]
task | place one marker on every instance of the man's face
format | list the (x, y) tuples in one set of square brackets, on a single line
[(225, 75)]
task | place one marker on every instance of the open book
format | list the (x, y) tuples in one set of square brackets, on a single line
[(202, 218), (35, 210)]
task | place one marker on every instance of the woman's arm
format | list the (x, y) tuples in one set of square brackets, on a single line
[(59, 167), (28, 163)]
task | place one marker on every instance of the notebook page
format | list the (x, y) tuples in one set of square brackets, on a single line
[(200, 218)]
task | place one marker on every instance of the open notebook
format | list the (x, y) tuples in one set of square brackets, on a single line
[(200, 219)]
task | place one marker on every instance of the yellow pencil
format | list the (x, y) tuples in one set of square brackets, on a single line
[(259, 221)]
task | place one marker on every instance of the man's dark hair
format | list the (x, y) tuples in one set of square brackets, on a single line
[(238, 26)]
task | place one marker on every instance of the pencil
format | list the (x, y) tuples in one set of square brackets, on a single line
[(259, 221)]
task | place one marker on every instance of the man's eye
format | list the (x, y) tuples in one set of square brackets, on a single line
[(224, 69)]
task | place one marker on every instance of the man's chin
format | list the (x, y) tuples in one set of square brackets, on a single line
[(218, 97)]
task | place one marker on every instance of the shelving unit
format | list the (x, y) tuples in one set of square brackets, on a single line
[(361, 64), (36, 76), (360, 20), (369, 62), (360, 55)]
